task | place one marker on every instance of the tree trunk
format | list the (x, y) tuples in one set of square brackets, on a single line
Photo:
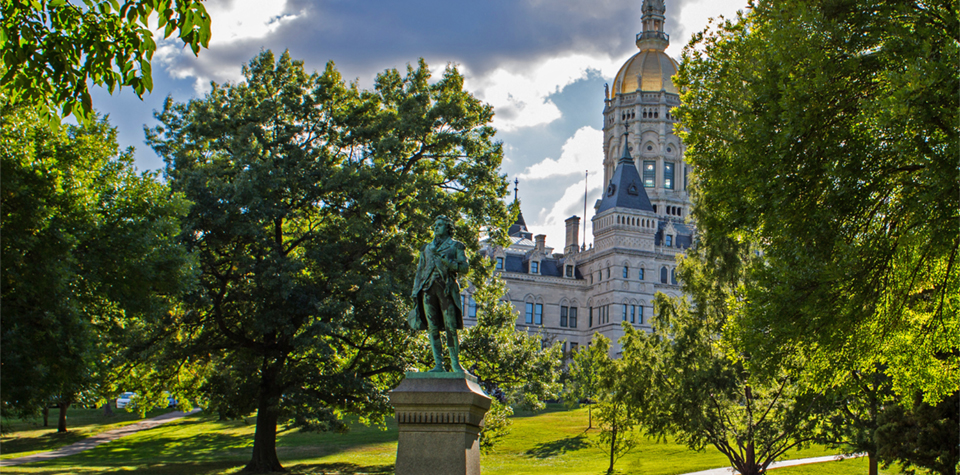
[(613, 445), (46, 414), (62, 419), (873, 463), (107, 411), (589, 417), (264, 458)]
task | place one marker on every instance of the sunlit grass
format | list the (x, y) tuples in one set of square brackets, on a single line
[(551, 442), (22, 437)]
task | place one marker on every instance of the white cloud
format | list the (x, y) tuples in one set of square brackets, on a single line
[(232, 22), (695, 14), (520, 95), (238, 20), (581, 152), (551, 221)]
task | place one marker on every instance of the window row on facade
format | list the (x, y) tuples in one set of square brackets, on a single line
[(664, 272)]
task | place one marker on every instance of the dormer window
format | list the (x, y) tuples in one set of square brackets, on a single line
[(499, 263), (535, 267), (668, 240), (568, 271)]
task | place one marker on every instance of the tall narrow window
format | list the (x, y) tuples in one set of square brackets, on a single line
[(499, 263), (563, 316), (673, 276), (573, 347), (589, 317), (649, 173), (538, 314), (529, 314), (633, 314), (663, 275), (640, 274), (684, 177), (624, 313), (569, 271), (472, 309), (668, 240), (668, 175), (573, 317), (608, 272), (626, 272), (641, 315), (534, 267)]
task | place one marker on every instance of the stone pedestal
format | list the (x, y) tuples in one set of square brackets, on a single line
[(439, 416)]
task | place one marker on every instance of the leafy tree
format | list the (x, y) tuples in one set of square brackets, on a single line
[(511, 365), (825, 133), (695, 384), (89, 254), (854, 409), (311, 198), (612, 386), (921, 436), (51, 48), (582, 382)]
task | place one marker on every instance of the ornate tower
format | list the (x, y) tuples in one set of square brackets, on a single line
[(641, 99)]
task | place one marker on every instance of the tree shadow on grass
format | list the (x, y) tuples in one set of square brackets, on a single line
[(339, 468), (557, 447), (193, 468)]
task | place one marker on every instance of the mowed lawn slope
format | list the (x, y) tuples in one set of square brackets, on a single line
[(554, 441)]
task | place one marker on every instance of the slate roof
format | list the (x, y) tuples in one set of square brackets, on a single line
[(625, 189), (519, 228)]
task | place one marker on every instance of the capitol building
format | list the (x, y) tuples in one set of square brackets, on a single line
[(640, 224)]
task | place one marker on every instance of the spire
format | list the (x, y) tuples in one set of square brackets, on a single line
[(626, 158), (625, 189), (652, 36), (519, 228)]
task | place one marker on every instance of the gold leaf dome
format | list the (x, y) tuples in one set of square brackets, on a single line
[(650, 70)]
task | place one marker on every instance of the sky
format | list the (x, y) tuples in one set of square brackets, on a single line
[(541, 64)]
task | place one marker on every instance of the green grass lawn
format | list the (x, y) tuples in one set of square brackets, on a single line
[(550, 442), (24, 437)]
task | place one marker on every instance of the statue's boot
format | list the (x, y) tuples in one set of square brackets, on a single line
[(453, 346), (437, 353)]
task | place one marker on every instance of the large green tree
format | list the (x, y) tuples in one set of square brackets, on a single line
[(52, 48), (690, 380), (827, 134), (311, 198), (89, 255)]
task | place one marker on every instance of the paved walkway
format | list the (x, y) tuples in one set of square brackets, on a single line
[(101, 438), (780, 464)]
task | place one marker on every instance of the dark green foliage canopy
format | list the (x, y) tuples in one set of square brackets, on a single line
[(51, 48), (311, 198), (89, 256), (826, 133)]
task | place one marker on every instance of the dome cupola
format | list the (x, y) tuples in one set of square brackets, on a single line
[(650, 69)]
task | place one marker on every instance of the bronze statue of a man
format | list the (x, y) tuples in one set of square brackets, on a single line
[(437, 293)]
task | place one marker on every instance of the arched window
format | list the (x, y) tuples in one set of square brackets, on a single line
[(663, 275), (640, 274), (626, 272), (673, 276)]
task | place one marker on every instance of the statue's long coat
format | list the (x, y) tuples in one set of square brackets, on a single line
[(417, 318)]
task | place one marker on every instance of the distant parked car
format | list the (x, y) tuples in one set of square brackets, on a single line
[(124, 399)]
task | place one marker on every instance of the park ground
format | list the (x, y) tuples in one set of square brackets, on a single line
[(554, 441)]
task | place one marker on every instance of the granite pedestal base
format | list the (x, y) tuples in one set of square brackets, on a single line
[(439, 416)]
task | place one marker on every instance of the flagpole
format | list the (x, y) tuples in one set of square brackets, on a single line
[(586, 174)]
